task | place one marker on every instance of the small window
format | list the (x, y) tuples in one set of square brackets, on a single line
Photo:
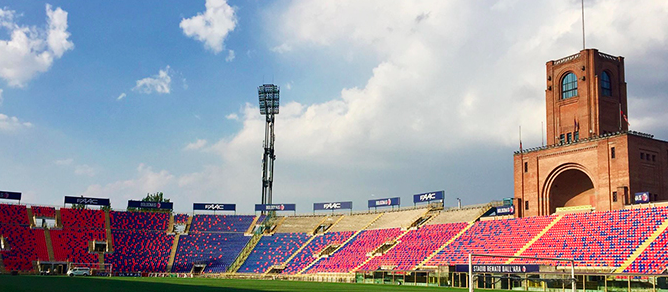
[(612, 152), (653, 157), (526, 205), (614, 196), (569, 138), (561, 139), (576, 136), (642, 156), (606, 85), (569, 86), (526, 167), (656, 197)]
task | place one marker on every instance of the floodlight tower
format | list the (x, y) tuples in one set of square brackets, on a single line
[(269, 96)]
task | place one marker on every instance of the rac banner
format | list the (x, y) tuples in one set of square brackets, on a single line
[(384, 202), (214, 207), (87, 201), (275, 207), (428, 197), (333, 206), (10, 195), (151, 205)]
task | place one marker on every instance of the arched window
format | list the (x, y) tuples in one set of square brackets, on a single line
[(606, 86), (569, 86)]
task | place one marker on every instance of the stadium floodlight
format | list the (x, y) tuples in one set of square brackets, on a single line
[(269, 95)]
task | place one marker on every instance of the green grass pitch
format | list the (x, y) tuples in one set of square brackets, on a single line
[(120, 284)]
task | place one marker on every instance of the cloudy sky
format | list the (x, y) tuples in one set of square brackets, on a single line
[(379, 98)]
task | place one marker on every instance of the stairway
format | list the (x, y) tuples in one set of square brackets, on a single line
[(172, 253), (535, 238), (49, 245), (243, 255), (643, 246), (31, 218), (188, 224), (2, 266), (444, 245), (107, 227), (250, 229)]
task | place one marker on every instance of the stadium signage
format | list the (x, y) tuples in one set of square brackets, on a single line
[(500, 269), (428, 197), (505, 210), (384, 202), (10, 195), (87, 201), (150, 205), (214, 207), (275, 207), (333, 206), (642, 197)]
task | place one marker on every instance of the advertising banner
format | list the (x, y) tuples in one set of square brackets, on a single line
[(151, 205), (87, 201), (10, 195), (505, 210), (333, 206), (275, 207), (498, 269), (642, 198), (384, 202), (428, 197), (214, 207)]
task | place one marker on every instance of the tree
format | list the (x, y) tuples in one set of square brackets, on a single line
[(156, 197)]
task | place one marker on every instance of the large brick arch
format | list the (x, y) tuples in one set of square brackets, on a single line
[(569, 184)]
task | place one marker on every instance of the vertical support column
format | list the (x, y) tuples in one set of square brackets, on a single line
[(470, 273)]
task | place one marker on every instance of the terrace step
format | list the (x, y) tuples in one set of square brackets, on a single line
[(49, 245), (643, 246), (535, 238)]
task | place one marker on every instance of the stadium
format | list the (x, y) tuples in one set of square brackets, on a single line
[(589, 212)]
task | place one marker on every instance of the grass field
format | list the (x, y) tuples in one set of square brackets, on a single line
[(120, 284)]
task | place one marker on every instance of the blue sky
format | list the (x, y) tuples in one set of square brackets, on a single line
[(379, 98)]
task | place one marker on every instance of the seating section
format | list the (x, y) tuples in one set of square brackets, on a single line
[(306, 256), (40, 244), (181, 218), (216, 250), (140, 250), (139, 220), (501, 237), (272, 250), (598, 239), (73, 245), (299, 224), (44, 212), (355, 251), (414, 247), (13, 214), (654, 259), (82, 218), (221, 223), (353, 222), (22, 247)]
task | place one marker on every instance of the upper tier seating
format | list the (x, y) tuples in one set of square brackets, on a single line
[(598, 239), (22, 247), (353, 253), (456, 215), (414, 247), (397, 219), (353, 222), (299, 224), (72, 245), (221, 223), (139, 220), (305, 256), (82, 218), (216, 250), (13, 214), (272, 250), (140, 250), (45, 212), (181, 218), (502, 237)]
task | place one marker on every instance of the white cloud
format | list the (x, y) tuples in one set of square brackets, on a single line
[(12, 124), (67, 161), (145, 181), (283, 48), (232, 116), (84, 169), (160, 83), (230, 56), (212, 26), (123, 95), (1, 96), (199, 144), (31, 50)]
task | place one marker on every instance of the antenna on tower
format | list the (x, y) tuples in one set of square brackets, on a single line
[(583, 25)]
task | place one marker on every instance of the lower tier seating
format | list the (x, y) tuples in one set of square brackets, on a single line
[(73, 245), (22, 249), (272, 250), (306, 256), (216, 250), (140, 250), (355, 251)]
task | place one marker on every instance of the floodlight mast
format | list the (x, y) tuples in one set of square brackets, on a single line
[(269, 103)]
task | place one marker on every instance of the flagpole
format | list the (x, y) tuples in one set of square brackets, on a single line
[(620, 116), (583, 25)]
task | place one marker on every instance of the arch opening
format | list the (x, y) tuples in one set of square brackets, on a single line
[(571, 188)]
